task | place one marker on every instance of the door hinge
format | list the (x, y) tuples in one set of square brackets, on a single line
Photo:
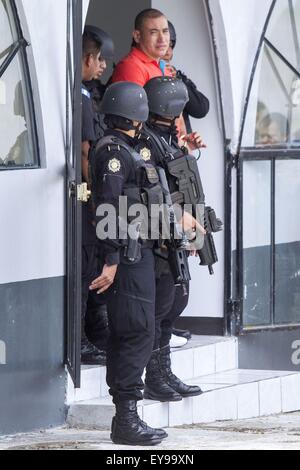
[(72, 189), (232, 159), (83, 193), (234, 312)]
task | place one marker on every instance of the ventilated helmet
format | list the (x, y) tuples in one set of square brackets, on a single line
[(167, 96), (107, 44), (127, 100)]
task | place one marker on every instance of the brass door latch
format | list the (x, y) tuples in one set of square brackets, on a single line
[(83, 193)]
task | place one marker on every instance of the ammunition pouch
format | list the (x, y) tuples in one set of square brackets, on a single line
[(147, 196)]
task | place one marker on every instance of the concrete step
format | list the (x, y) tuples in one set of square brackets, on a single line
[(201, 356), (93, 385), (231, 395)]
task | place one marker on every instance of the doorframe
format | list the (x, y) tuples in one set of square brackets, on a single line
[(227, 180), (73, 180)]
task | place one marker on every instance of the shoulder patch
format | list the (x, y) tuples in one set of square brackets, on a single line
[(114, 165), (145, 153)]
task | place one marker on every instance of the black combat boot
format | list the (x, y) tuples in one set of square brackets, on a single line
[(90, 355), (174, 382), (96, 324), (182, 333), (127, 428), (156, 387), (159, 431)]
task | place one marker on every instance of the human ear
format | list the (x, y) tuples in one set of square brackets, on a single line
[(136, 36)]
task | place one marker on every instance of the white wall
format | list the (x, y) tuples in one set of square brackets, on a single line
[(32, 202), (194, 56), (85, 7)]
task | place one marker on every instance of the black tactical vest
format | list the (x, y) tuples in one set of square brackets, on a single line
[(145, 188), (181, 169)]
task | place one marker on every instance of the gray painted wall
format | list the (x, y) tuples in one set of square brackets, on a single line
[(270, 350), (32, 375)]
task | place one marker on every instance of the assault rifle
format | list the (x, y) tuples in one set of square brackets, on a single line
[(177, 242), (184, 168), (190, 191)]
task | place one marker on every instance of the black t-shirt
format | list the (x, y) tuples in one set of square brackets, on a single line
[(88, 132), (88, 135), (97, 90)]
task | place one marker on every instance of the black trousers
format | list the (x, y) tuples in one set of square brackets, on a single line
[(131, 316), (96, 324), (89, 273), (170, 303)]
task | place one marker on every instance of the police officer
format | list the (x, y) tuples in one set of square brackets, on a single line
[(96, 324), (167, 99), (128, 265), (198, 104), (90, 68), (95, 87), (197, 107)]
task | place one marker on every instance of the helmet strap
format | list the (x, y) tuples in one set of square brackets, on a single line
[(168, 122), (118, 122)]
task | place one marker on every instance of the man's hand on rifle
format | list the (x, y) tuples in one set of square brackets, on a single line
[(191, 225), (193, 141), (102, 283)]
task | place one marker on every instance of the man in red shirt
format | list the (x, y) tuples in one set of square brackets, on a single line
[(151, 39)]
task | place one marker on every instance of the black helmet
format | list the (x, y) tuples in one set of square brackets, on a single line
[(127, 100), (167, 96), (173, 35), (107, 44)]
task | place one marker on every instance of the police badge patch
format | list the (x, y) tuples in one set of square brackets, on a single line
[(145, 154), (114, 165)]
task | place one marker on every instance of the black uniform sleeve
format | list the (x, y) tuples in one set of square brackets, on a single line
[(88, 132), (108, 185), (198, 106)]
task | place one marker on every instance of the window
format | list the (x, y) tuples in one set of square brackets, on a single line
[(269, 176), (18, 137), (273, 116)]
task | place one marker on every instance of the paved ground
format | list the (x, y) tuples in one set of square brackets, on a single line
[(275, 433)]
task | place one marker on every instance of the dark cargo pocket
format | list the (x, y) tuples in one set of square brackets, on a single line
[(131, 315)]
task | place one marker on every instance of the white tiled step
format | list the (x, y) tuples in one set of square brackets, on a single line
[(93, 385), (201, 356), (236, 394)]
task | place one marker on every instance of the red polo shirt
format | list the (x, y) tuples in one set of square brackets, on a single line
[(137, 67)]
